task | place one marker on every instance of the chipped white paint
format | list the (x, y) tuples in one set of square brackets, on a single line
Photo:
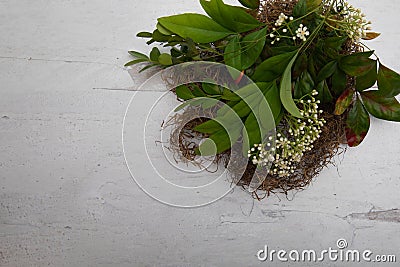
[(66, 197)]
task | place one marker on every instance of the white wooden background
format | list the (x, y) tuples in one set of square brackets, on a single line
[(67, 198)]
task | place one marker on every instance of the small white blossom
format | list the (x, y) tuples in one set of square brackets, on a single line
[(302, 32)]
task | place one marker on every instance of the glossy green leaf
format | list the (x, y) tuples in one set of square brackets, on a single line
[(368, 80), (224, 138), (357, 64), (327, 71), (148, 67), (233, 53), (163, 30), (339, 81), (300, 65), (144, 35), (271, 93), (183, 92), (253, 4), (300, 9), (243, 54), (388, 82), (304, 86), (252, 46), (252, 130), (242, 109), (344, 101), (155, 54), (357, 124), (138, 55), (165, 59), (209, 127), (159, 37), (211, 89), (335, 43), (312, 4), (286, 90), (381, 107), (136, 61), (199, 28), (282, 49), (230, 17), (197, 91), (229, 95), (273, 67), (324, 94)]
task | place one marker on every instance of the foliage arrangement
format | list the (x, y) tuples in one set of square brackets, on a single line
[(309, 60)]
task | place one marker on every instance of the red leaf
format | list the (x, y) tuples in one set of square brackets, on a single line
[(344, 101), (385, 108), (357, 124)]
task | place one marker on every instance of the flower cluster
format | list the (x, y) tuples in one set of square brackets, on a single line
[(262, 154), (282, 31), (354, 22), (296, 138)]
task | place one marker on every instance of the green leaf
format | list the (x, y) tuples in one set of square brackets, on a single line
[(154, 54), (163, 30), (304, 86), (324, 95), (286, 90), (144, 34), (182, 106), (230, 17), (273, 67), (271, 94), (222, 140), (327, 71), (388, 82), (339, 81), (229, 95), (159, 37), (252, 130), (211, 89), (229, 123), (136, 61), (197, 91), (381, 107), (209, 127), (312, 4), (368, 80), (253, 4), (233, 53), (357, 64), (138, 55), (344, 101), (335, 43), (199, 28), (165, 59), (252, 46), (183, 92), (242, 55), (300, 65), (300, 9), (357, 124), (148, 67)]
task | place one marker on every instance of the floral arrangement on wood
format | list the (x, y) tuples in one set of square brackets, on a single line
[(309, 60)]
